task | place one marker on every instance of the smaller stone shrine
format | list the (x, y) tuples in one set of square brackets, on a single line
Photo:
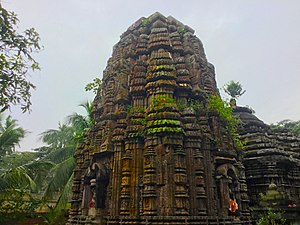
[(271, 158)]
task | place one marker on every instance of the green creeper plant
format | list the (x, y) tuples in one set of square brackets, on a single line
[(225, 113)]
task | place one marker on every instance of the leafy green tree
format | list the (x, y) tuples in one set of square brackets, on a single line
[(10, 135), (17, 159), (21, 174), (23, 170), (288, 125), (59, 150), (61, 147), (28, 176), (16, 62), (234, 89), (94, 86)]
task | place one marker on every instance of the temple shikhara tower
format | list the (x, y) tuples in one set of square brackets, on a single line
[(156, 153)]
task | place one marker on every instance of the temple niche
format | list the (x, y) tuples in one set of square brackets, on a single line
[(152, 156)]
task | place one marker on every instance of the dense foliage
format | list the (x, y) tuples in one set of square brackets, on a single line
[(29, 180), (288, 125), (271, 218), (22, 175)]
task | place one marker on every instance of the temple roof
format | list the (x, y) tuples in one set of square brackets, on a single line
[(247, 117), (150, 20)]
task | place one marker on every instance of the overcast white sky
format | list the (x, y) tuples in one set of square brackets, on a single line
[(256, 42)]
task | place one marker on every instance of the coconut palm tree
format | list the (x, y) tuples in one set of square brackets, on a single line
[(62, 144), (10, 135), (59, 138), (80, 123), (22, 177), (61, 147), (26, 172), (21, 173)]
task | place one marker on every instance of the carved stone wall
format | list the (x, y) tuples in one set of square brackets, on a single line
[(151, 149)]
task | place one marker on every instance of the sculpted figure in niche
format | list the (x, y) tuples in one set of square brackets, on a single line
[(228, 184), (95, 186), (121, 71), (196, 73)]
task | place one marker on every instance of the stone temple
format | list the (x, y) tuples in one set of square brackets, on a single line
[(157, 154)]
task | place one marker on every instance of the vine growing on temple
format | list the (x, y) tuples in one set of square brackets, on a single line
[(224, 110)]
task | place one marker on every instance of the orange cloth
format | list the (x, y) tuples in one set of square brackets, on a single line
[(233, 206)]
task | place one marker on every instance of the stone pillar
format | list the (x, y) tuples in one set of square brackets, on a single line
[(180, 177), (224, 195), (209, 171), (150, 177), (125, 196), (116, 179)]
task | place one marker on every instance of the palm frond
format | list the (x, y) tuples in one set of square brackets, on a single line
[(60, 176), (26, 176), (77, 121), (59, 138), (10, 136), (88, 106), (17, 159), (15, 178), (64, 198), (58, 155), (57, 214), (39, 170)]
